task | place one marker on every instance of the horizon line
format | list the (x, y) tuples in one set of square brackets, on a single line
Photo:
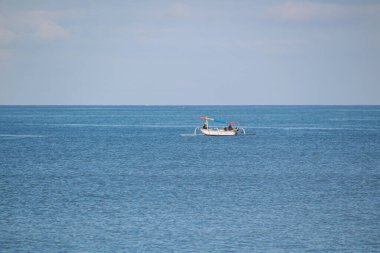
[(189, 104)]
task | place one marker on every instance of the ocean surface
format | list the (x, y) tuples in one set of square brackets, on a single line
[(124, 179)]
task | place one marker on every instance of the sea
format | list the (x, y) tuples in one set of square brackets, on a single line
[(135, 179)]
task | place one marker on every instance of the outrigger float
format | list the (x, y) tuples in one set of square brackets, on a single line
[(229, 130)]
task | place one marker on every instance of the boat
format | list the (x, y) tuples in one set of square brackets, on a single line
[(230, 128)]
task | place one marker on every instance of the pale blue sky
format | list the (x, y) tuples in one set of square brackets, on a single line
[(189, 52)]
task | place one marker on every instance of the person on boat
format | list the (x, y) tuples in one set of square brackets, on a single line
[(205, 126), (230, 127)]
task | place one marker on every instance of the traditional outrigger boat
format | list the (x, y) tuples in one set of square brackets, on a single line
[(228, 130)]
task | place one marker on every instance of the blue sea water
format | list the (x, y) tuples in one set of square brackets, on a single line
[(123, 179)]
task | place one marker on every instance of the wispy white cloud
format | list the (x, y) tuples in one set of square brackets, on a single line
[(179, 10), (297, 11), (276, 46), (6, 35), (45, 26), (42, 25), (5, 55)]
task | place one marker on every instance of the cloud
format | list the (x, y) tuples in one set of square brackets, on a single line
[(6, 35), (312, 11), (41, 25), (179, 10), (45, 26), (276, 46), (5, 55)]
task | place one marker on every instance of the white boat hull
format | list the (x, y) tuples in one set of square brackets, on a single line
[(218, 132)]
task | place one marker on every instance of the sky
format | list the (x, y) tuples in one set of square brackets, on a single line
[(224, 52)]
